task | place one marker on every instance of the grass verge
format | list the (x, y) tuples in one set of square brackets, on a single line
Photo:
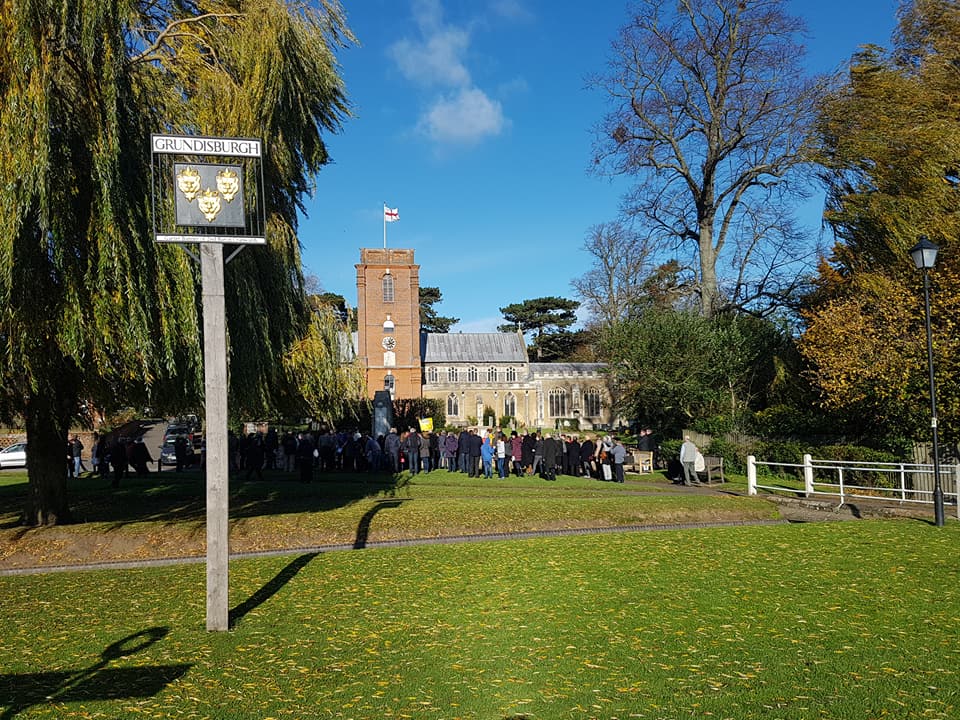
[(163, 515), (830, 620)]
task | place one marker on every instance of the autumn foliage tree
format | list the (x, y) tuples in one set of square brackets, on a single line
[(890, 149)]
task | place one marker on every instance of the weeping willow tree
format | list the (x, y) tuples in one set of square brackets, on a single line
[(90, 307), (320, 361)]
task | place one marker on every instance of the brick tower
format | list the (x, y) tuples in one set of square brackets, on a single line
[(388, 321)]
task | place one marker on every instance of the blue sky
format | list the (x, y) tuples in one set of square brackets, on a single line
[(472, 117)]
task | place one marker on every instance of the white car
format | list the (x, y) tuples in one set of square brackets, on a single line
[(14, 456)]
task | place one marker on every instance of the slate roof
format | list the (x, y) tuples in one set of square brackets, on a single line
[(472, 348), (565, 368)]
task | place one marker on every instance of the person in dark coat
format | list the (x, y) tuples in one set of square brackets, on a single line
[(516, 451), (527, 450), (645, 440), (573, 456), (103, 453), (118, 459), (289, 444), (180, 452), (255, 455), (391, 447), (587, 449), (304, 456), (548, 470), (452, 443), (463, 450), (476, 444), (537, 455), (270, 444), (411, 450), (434, 451)]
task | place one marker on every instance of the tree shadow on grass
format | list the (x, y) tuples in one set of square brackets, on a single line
[(99, 682), (271, 588), (297, 564), (180, 497), (363, 527)]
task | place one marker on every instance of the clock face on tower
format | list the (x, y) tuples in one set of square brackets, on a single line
[(389, 342)]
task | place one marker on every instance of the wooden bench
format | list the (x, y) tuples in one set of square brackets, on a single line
[(713, 466), (641, 460)]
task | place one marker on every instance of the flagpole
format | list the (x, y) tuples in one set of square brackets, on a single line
[(384, 226)]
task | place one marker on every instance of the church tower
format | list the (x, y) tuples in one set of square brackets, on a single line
[(388, 321)]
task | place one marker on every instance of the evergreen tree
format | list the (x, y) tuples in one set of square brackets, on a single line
[(543, 316), (430, 321)]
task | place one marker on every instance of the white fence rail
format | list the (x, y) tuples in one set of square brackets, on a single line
[(902, 482)]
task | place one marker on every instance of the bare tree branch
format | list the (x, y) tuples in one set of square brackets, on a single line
[(710, 109)]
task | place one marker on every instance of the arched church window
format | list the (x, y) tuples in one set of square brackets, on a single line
[(591, 402), (388, 288), (453, 405), (558, 402), (472, 375)]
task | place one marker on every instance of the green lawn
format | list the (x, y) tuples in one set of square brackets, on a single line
[(164, 515), (830, 620), (827, 620)]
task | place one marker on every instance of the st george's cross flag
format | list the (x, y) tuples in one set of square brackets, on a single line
[(391, 214)]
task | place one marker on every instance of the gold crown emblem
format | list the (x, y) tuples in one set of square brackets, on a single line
[(209, 204), (188, 181)]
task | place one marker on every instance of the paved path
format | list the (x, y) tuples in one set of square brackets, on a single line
[(791, 509), (489, 537)]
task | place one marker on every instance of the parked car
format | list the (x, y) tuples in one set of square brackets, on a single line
[(14, 456), (173, 431), (168, 453)]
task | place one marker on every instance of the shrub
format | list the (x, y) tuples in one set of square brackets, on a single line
[(864, 478), (784, 421), (782, 451), (734, 455), (670, 450), (715, 426)]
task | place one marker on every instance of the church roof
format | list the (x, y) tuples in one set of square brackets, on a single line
[(565, 368), (472, 347)]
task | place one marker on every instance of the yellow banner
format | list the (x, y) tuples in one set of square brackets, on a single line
[(426, 424)]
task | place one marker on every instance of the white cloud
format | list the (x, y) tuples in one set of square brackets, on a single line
[(465, 114), (517, 86), (464, 118), (428, 14), (435, 60), (511, 9)]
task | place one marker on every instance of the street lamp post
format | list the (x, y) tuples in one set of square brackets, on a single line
[(924, 255)]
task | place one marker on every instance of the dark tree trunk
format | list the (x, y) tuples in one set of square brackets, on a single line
[(46, 463)]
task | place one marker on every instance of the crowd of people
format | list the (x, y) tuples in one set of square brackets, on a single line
[(474, 451), (116, 457)]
